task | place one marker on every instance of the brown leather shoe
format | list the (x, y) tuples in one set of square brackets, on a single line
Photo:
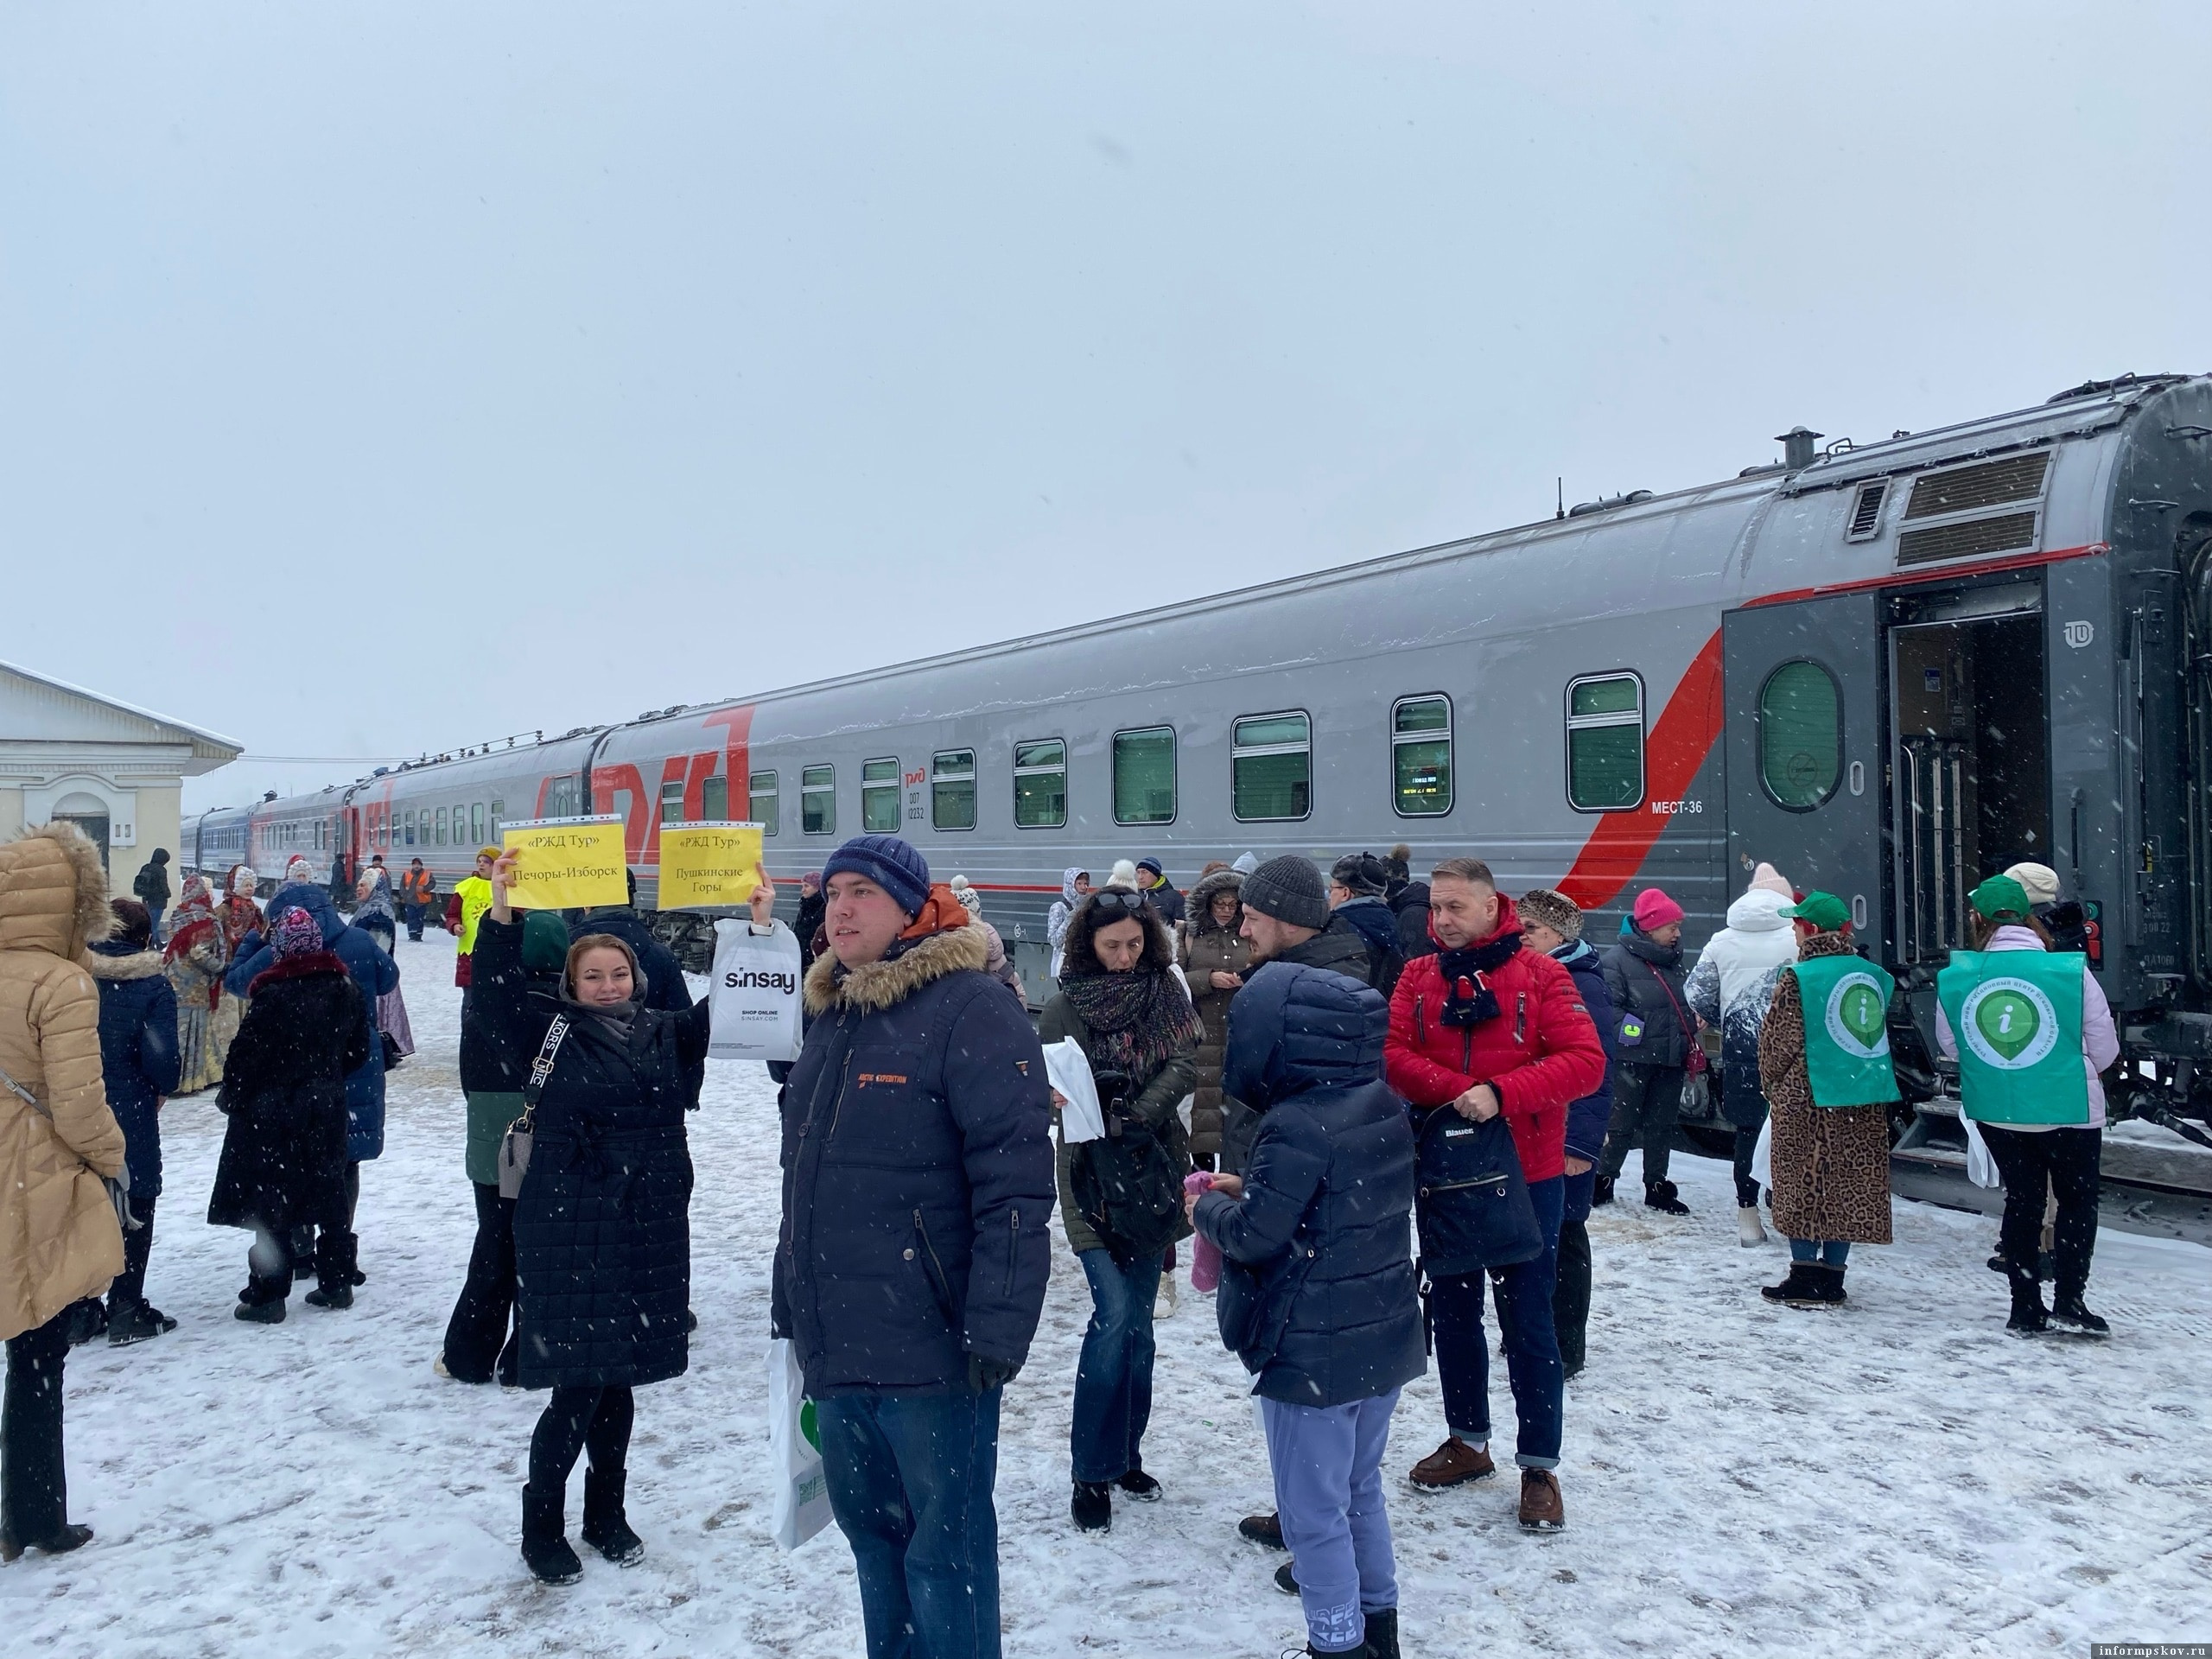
[(1542, 1509), (1452, 1463)]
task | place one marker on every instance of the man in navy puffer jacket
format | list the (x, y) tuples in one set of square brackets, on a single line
[(1318, 1294), (140, 1066)]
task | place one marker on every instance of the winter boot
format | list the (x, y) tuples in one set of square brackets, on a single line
[(333, 1270), (1383, 1632), (545, 1543), (1363, 1651), (1266, 1529), (2028, 1319), (1751, 1232), (2068, 1314), (70, 1537), (1798, 1288), (1092, 1506), (1664, 1196), (1287, 1580), (87, 1321), (1601, 1192), (1139, 1486), (140, 1323), (606, 1529), (1452, 1463), (1829, 1287), (1542, 1509), (262, 1301), (1163, 1299)]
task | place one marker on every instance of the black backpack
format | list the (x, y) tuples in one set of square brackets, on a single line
[(1471, 1206), (1124, 1184)]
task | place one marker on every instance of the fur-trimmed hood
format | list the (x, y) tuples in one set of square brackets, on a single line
[(113, 960), (875, 985), (1202, 894), (52, 892)]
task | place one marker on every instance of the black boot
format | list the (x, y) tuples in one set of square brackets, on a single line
[(2068, 1314), (545, 1543), (1799, 1289), (1265, 1529), (1092, 1506), (1601, 1192), (606, 1529), (333, 1270), (87, 1321), (1383, 1633), (262, 1301), (2028, 1318), (1664, 1196)]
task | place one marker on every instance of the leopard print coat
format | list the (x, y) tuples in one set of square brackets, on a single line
[(1831, 1164)]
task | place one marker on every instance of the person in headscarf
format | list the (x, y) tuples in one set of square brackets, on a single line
[(238, 916), (376, 915), (1075, 887), (997, 964), (194, 959)]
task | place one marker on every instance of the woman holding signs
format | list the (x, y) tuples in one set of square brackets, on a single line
[(1824, 1066), (602, 1228), (2037, 1031)]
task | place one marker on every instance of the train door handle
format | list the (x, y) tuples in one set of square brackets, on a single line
[(1858, 910), (1858, 777)]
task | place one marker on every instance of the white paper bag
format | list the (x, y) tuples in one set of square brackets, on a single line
[(1981, 1169), (802, 1505), (1069, 1071), (1762, 1154), (754, 999)]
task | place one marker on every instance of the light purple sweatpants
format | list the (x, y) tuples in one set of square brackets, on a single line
[(1328, 1470)]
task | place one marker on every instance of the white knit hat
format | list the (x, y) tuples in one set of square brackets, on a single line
[(1124, 875), (2038, 882)]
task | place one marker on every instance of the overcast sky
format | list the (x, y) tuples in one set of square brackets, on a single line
[(377, 378)]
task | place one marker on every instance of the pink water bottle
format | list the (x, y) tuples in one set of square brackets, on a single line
[(1205, 1254)]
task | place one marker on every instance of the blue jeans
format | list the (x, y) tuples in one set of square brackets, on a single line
[(1531, 1341), (1328, 1468), (1113, 1379), (910, 1478), (155, 912), (1830, 1253)]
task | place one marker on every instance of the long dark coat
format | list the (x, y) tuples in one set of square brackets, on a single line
[(140, 1061), (1207, 950), (602, 1224), (284, 1160)]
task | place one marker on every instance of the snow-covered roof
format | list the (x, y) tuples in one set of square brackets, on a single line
[(208, 750)]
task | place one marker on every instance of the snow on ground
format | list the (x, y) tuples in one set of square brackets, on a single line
[(1900, 1477)]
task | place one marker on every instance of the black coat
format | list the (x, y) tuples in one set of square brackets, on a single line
[(1588, 1118), (666, 990), (1410, 904), (283, 1158), (1167, 899), (140, 1061), (1647, 979), (1341, 948), (602, 1224), (1374, 922), (1318, 1292), (812, 907), (917, 1173)]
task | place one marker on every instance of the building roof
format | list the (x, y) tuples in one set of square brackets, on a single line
[(114, 721)]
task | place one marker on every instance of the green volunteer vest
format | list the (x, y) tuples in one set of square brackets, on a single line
[(1846, 1030), (2016, 1016)]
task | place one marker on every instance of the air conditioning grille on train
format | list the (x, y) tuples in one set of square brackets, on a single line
[(1962, 489), (1867, 512), (1967, 538)]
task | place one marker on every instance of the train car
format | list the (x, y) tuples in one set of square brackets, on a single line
[(1887, 669)]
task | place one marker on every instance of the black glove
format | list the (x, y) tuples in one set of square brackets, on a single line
[(985, 1374)]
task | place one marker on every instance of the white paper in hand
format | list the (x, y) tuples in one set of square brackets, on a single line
[(754, 998), (1067, 1071)]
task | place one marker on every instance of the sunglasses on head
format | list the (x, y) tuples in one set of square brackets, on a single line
[(1109, 899)]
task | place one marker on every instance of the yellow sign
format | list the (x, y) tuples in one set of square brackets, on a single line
[(707, 866), (567, 863)]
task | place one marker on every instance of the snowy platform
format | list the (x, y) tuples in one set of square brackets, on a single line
[(1897, 1479)]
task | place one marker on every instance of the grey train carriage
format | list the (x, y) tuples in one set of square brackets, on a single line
[(1889, 670)]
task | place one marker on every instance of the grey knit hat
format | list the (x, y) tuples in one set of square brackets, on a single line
[(1553, 909), (1289, 889)]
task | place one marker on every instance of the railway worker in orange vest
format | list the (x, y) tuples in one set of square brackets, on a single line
[(472, 898), (418, 888)]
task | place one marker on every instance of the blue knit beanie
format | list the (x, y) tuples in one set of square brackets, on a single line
[(891, 863)]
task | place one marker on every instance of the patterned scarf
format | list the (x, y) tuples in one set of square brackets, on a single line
[(193, 911), (1468, 999), (1139, 1021), (298, 934)]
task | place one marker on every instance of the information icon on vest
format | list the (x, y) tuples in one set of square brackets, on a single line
[(2010, 1024)]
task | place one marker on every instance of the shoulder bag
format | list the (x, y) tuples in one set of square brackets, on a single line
[(1471, 1206), (1122, 1182), (514, 1148)]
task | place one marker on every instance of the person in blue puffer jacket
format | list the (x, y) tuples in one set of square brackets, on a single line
[(375, 974), (141, 1065), (1317, 1294), (1552, 922)]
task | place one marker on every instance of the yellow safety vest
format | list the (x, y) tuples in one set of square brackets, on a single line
[(475, 898)]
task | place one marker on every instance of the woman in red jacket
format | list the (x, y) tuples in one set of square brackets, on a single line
[(1483, 1027)]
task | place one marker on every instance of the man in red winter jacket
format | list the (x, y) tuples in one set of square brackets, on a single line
[(1484, 1026)]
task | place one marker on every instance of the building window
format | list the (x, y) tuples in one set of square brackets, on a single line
[(1144, 775), (952, 789), (1420, 756), (1605, 743), (817, 800), (1271, 766), (880, 797), (763, 808), (1801, 736), (713, 799), (672, 802), (1040, 784)]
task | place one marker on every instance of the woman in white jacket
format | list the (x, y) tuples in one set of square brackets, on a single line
[(1723, 991)]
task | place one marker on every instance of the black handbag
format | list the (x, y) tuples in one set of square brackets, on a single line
[(1471, 1206), (1124, 1184)]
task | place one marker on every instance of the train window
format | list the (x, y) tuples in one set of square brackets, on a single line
[(476, 823), (1144, 775), (499, 817), (762, 804), (564, 797), (879, 797), (407, 828), (1271, 766), (952, 789), (1605, 743), (713, 799), (1420, 756), (1801, 736), (1040, 785), (672, 801), (442, 826), (817, 800)]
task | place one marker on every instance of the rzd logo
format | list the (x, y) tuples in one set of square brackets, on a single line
[(2010, 1024), (1856, 1019), (2078, 634)]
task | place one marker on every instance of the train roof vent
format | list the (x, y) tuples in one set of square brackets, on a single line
[(1867, 510), (1967, 538), (1963, 489), (1581, 509)]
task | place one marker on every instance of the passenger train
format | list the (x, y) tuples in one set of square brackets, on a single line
[(1888, 668)]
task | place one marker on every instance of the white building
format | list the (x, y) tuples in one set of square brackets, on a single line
[(115, 771)]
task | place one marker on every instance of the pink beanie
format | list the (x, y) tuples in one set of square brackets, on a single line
[(1766, 878), (1654, 909)]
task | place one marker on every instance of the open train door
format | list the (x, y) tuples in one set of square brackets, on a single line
[(1801, 685)]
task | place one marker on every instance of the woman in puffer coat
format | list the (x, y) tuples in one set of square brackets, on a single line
[(60, 1240), (1216, 958), (1724, 991), (1318, 1292), (139, 1067), (1120, 1002), (601, 1224)]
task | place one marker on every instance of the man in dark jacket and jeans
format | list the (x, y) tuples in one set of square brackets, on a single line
[(911, 1269), (152, 886), (1654, 1039)]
